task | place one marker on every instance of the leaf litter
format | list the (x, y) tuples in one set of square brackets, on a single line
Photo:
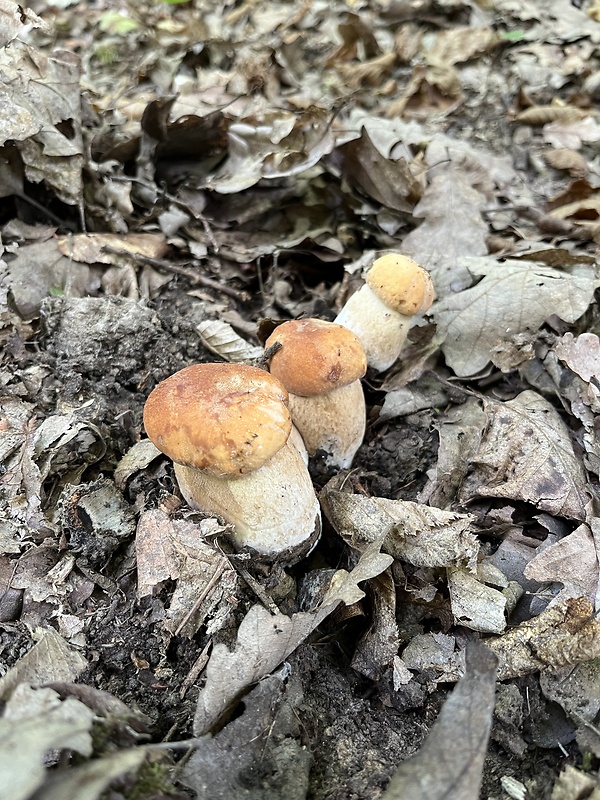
[(170, 176)]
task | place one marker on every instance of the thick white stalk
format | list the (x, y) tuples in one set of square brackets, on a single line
[(381, 330), (333, 421), (274, 509)]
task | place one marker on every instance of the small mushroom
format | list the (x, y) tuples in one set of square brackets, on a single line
[(227, 429), (380, 313), (320, 364)]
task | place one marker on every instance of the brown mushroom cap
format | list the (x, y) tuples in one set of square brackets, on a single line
[(225, 419), (316, 356), (401, 284)]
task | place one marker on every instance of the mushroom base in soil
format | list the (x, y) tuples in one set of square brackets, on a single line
[(271, 509), (334, 422)]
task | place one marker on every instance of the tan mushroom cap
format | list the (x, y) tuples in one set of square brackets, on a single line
[(224, 419), (316, 356), (401, 284)]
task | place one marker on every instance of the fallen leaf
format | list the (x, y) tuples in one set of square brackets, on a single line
[(89, 781), (51, 659), (449, 764), (35, 722), (526, 454), (572, 561), (264, 740), (412, 532), (475, 605), (220, 338), (513, 297)]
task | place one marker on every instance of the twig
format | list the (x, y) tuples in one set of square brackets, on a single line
[(220, 568)]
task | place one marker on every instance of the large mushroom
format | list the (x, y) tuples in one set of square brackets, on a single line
[(381, 312), (321, 364), (227, 429)]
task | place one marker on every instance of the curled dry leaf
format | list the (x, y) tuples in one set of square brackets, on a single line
[(424, 536), (540, 115), (475, 605), (569, 160), (449, 764), (264, 640), (221, 339), (572, 561), (566, 634), (527, 454)]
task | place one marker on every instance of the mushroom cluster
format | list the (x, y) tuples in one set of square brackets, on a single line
[(380, 313), (321, 364), (227, 429)]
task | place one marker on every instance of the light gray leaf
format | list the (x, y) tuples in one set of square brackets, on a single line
[(526, 454), (513, 297), (422, 535), (449, 764)]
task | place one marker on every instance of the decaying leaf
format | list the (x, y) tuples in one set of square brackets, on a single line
[(475, 605), (264, 640), (108, 248), (264, 741), (34, 722), (526, 454), (572, 561), (564, 635), (512, 297), (412, 532), (90, 780), (51, 659), (379, 646), (449, 765)]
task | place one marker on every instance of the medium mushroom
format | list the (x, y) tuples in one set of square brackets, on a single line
[(380, 313), (227, 429), (321, 364)]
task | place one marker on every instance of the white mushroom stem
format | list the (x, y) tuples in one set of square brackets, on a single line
[(334, 421), (273, 509), (381, 330)]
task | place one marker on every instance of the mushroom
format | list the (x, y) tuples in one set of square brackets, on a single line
[(320, 364), (227, 429), (380, 312)]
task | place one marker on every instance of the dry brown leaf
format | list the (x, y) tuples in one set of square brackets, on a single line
[(572, 561), (513, 297), (526, 454), (388, 182), (377, 648), (452, 227), (220, 338), (563, 635), (458, 45), (99, 248), (51, 659), (540, 115), (413, 532), (572, 134), (15, 20), (570, 160), (475, 605), (155, 554)]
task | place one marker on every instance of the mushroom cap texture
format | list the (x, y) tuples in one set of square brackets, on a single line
[(401, 284), (316, 356), (225, 419)]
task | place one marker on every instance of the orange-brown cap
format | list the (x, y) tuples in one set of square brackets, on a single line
[(225, 419), (316, 356), (401, 284)]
